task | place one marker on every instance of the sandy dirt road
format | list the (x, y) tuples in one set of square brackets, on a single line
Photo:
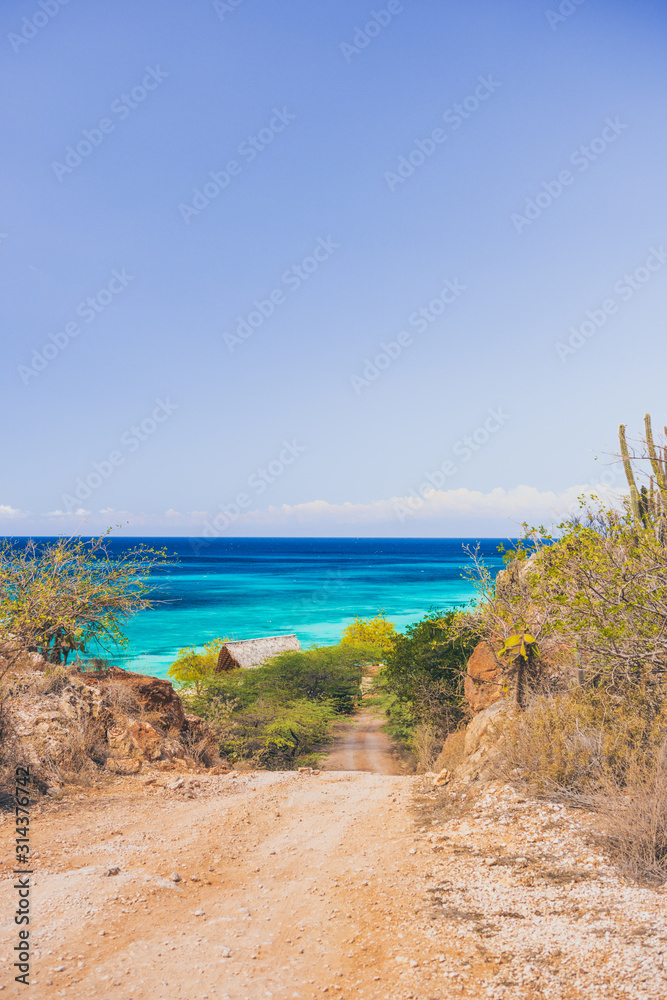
[(360, 745), (345, 884), (290, 885)]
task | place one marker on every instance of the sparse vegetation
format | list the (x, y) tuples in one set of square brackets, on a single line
[(592, 720)]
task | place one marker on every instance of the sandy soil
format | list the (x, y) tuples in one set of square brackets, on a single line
[(360, 745), (302, 885)]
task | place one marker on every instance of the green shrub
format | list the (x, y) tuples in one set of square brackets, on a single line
[(194, 669), (422, 681), (277, 715)]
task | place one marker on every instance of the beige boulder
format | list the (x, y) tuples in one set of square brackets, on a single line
[(124, 765), (134, 739)]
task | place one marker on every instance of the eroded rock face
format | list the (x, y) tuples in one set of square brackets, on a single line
[(132, 738), (154, 694), (482, 740), (483, 682)]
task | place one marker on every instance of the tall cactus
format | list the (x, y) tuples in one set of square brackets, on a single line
[(630, 476), (657, 462), (649, 505)]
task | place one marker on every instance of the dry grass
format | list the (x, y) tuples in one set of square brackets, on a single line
[(10, 756), (121, 699), (425, 745), (55, 680), (452, 753), (570, 745), (83, 751), (636, 819), (603, 751)]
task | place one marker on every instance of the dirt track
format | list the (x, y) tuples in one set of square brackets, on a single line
[(361, 745), (302, 886), (303, 878)]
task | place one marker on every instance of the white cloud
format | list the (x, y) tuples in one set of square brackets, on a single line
[(79, 512), (518, 504), (436, 513), (11, 513)]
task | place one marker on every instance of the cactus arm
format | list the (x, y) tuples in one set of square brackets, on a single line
[(656, 464), (634, 495)]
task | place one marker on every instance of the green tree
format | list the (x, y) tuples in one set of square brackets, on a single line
[(194, 669), (425, 670), (57, 597)]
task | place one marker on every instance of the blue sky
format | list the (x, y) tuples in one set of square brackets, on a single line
[(326, 269)]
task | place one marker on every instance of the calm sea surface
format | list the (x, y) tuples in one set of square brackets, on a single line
[(243, 588)]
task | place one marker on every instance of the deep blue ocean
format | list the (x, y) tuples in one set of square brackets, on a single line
[(243, 588)]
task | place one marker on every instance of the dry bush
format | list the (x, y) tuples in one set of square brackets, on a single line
[(452, 753), (121, 699), (82, 752), (55, 680), (569, 744), (425, 744), (10, 756), (636, 818), (202, 751)]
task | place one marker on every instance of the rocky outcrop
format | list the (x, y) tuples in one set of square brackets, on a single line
[(133, 738), (483, 681), (73, 720), (154, 694), (483, 737)]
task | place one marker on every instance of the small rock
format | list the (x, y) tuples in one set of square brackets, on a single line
[(115, 870), (124, 765), (225, 952), (198, 913), (177, 783), (175, 877), (413, 850)]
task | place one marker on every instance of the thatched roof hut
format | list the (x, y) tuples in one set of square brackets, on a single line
[(253, 652)]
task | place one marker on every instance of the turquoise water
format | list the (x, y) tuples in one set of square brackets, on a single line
[(249, 587)]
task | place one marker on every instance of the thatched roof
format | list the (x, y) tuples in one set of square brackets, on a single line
[(253, 652)]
